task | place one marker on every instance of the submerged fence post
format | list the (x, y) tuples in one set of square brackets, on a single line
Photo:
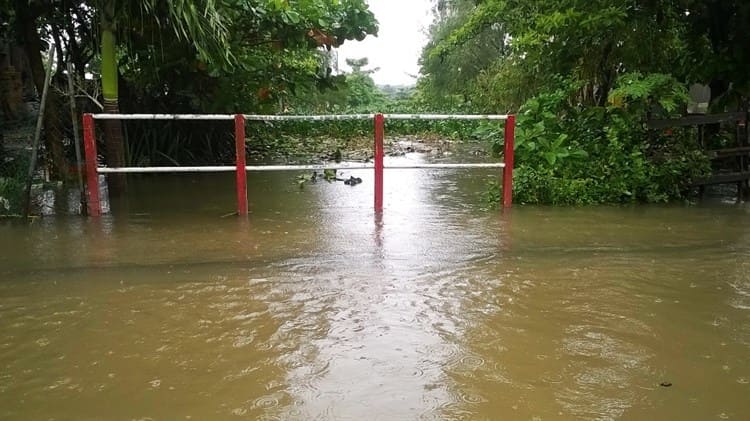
[(510, 135), (92, 174), (239, 140), (379, 131)]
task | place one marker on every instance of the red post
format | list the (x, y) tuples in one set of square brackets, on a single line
[(239, 140), (379, 131), (510, 136), (92, 174)]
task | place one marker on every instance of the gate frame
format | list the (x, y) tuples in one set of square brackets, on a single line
[(240, 168)]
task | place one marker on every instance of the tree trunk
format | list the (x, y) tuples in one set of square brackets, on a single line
[(53, 136), (53, 129), (113, 138)]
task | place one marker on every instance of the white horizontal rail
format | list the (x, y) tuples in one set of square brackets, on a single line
[(309, 167), (163, 116), (260, 117), (121, 170), (228, 168), (445, 116), (444, 166)]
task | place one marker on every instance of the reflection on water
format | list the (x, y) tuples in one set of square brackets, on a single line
[(317, 308)]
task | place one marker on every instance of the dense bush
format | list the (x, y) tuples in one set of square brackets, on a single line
[(570, 154)]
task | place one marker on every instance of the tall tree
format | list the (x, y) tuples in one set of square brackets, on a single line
[(187, 56), (594, 42), (196, 20)]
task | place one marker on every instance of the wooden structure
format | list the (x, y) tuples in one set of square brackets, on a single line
[(730, 164)]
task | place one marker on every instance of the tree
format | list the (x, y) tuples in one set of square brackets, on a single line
[(593, 42), (353, 92), (583, 76), (284, 47), (197, 21), (449, 76), (361, 92), (186, 56)]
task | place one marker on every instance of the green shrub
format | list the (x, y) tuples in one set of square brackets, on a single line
[(567, 154)]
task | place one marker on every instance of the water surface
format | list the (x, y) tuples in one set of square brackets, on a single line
[(316, 308)]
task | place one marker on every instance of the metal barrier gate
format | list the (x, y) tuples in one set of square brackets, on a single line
[(240, 168)]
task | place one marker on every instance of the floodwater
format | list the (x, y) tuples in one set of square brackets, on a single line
[(316, 308)]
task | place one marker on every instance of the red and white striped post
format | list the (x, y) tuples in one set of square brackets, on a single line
[(239, 140), (379, 132), (93, 202), (510, 136)]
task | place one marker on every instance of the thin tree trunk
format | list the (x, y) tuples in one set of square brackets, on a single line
[(53, 136), (37, 134), (113, 138)]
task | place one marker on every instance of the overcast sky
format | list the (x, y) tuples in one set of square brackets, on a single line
[(396, 49)]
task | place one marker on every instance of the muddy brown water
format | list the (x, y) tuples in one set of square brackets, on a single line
[(315, 308)]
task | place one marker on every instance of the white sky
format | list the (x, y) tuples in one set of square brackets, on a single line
[(396, 49)]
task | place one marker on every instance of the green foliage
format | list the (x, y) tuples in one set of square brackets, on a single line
[(544, 186), (449, 73), (355, 93), (580, 155), (638, 91), (273, 52), (190, 56), (593, 42), (199, 23), (542, 131), (583, 77)]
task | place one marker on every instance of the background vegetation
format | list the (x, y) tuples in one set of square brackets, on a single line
[(582, 76)]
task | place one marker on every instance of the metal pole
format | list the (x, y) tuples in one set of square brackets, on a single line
[(379, 131), (92, 173), (239, 137), (510, 134)]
